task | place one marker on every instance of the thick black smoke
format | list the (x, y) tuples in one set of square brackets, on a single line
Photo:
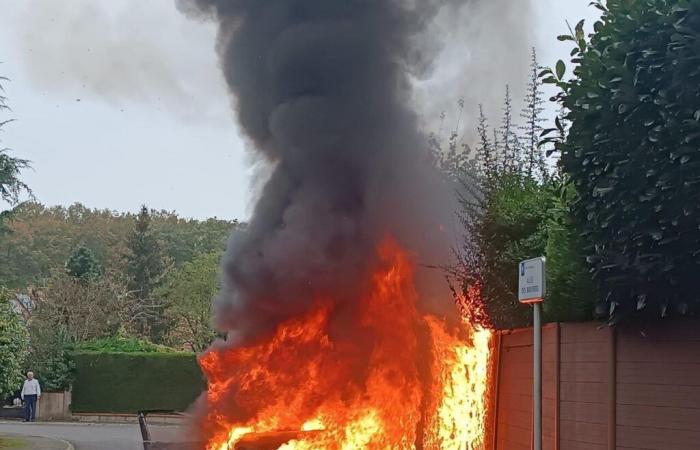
[(323, 88)]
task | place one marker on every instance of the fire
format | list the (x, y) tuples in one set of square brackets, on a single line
[(383, 375)]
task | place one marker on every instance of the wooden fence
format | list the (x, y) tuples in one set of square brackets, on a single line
[(603, 388)]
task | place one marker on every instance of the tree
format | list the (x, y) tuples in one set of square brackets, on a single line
[(40, 239), (83, 309), (188, 294), (632, 154), (146, 269), (83, 265), (13, 345), (11, 186)]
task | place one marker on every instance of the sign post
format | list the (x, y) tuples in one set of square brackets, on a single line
[(531, 290)]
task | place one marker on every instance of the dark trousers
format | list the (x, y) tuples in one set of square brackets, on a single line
[(30, 407)]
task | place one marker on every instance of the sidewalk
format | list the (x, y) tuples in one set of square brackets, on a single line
[(12, 441)]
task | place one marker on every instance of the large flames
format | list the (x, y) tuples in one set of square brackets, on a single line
[(380, 376)]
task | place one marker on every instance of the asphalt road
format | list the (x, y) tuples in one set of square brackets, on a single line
[(93, 436)]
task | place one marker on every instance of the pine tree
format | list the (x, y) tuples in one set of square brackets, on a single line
[(534, 160), (146, 269), (82, 264)]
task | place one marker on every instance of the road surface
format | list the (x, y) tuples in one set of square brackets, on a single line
[(92, 436)]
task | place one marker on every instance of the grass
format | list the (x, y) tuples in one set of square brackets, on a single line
[(12, 443)]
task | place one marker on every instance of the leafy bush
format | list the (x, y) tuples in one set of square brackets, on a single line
[(513, 228), (13, 345), (570, 290), (129, 382), (49, 357), (632, 153)]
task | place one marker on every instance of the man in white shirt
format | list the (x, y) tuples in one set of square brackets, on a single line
[(31, 392)]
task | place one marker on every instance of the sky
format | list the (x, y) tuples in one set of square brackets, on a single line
[(120, 103)]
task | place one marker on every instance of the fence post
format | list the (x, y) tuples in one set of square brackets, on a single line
[(612, 389), (496, 377)]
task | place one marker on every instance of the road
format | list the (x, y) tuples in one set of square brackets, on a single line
[(92, 436)]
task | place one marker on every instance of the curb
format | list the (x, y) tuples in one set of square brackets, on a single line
[(69, 446)]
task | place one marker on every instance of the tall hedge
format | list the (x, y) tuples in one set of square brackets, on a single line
[(633, 152), (129, 382), (571, 293)]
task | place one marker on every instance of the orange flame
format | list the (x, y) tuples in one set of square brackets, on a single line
[(382, 376)]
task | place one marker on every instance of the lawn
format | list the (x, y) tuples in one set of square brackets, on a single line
[(12, 443)]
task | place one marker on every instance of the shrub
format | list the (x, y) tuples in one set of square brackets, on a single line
[(13, 345), (513, 228), (632, 153), (49, 357), (570, 290), (129, 382)]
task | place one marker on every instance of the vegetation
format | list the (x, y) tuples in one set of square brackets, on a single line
[(13, 331), (71, 267), (83, 265), (145, 269), (188, 292), (121, 343), (13, 345), (129, 382), (11, 185), (14, 443), (40, 240), (632, 154), (511, 212)]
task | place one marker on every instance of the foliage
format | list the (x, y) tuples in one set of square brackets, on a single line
[(129, 382), (512, 227), (49, 357), (188, 293), (11, 186), (570, 290), (13, 344), (120, 344), (514, 208), (506, 198), (41, 239), (632, 153), (533, 158), (146, 268), (82, 264), (83, 310), (145, 264)]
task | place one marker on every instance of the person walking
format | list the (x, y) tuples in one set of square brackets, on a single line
[(31, 392)]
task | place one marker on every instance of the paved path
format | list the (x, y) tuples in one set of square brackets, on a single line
[(92, 436)]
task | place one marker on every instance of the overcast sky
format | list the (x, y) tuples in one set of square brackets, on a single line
[(120, 102)]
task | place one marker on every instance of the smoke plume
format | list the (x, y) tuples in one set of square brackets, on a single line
[(323, 90), (103, 51)]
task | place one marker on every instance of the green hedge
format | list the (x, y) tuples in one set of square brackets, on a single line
[(128, 382)]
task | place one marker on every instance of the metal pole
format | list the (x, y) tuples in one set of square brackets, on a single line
[(537, 376)]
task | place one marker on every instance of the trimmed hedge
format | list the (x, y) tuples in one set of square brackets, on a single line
[(129, 382)]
